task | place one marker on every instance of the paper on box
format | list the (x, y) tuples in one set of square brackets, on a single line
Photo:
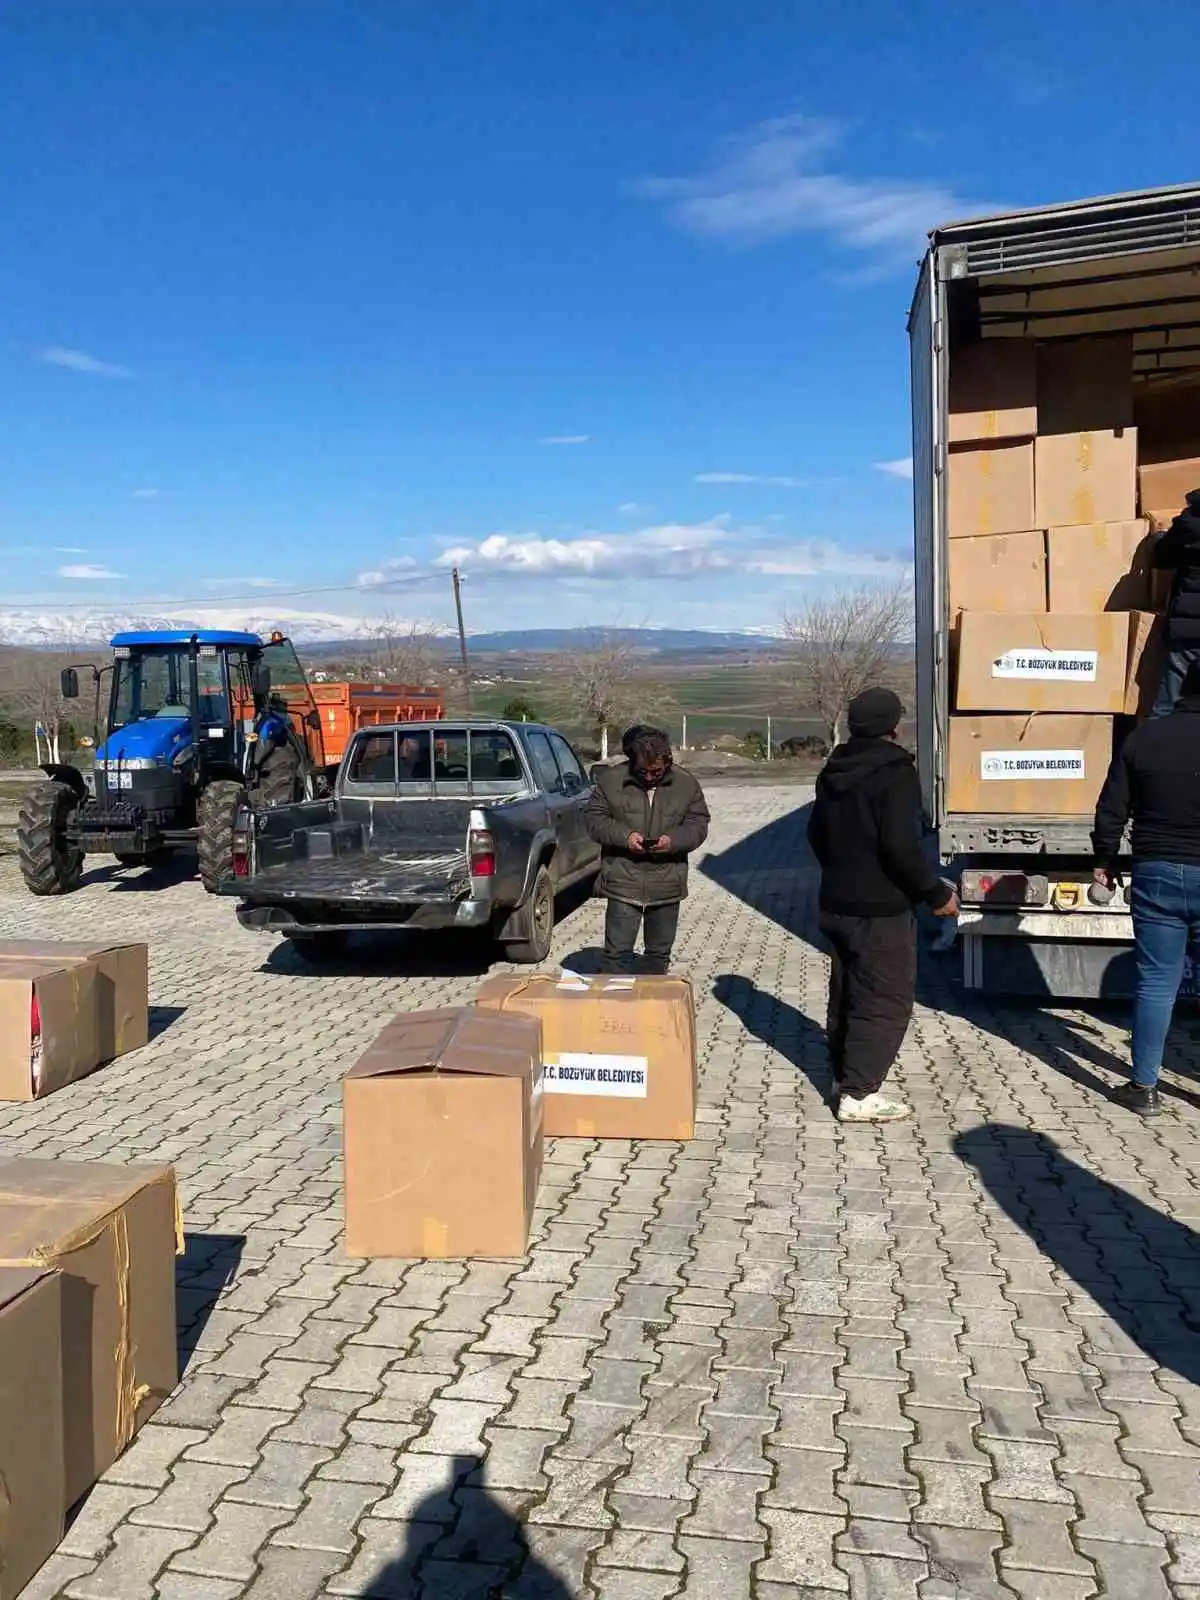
[(1042, 663), (1146, 652), (998, 572), (1100, 566), (32, 1507), (122, 986), (443, 1136), (1164, 486), (993, 391), (1027, 765), (990, 489), (113, 1231), (620, 1052), (1086, 477)]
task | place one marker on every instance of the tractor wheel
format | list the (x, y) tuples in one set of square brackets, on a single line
[(215, 811), (49, 865), (537, 916)]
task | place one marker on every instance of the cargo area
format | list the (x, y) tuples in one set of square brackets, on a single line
[(1059, 354)]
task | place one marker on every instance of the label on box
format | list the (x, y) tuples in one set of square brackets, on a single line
[(537, 1096), (1048, 666), (615, 1077), (1018, 765)]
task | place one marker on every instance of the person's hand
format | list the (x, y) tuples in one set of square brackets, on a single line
[(635, 842), (662, 844), (1105, 877), (950, 909)]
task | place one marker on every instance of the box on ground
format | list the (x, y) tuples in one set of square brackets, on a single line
[(620, 1052), (1147, 648), (1100, 566), (998, 572), (91, 1006), (991, 489), (1163, 487), (1085, 384), (1088, 476), (443, 1136), (993, 391), (113, 1231), (1028, 765), (1042, 662), (32, 1507)]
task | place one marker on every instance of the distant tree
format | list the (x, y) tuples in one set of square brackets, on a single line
[(31, 693), (406, 652), (520, 710), (842, 643), (606, 691), (755, 744)]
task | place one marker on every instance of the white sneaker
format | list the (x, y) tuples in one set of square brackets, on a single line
[(877, 1107)]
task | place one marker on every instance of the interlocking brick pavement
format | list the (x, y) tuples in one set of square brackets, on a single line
[(954, 1359)]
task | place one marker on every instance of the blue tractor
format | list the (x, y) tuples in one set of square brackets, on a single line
[(198, 725)]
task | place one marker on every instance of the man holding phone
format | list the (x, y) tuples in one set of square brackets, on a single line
[(647, 817)]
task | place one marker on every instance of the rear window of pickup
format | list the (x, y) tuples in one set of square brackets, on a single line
[(444, 761)]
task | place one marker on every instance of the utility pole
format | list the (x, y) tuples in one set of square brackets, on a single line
[(684, 743), (462, 634), (768, 736)]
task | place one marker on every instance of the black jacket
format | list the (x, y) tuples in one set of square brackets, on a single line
[(620, 805), (1178, 551), (1155, 780), (865, 830)]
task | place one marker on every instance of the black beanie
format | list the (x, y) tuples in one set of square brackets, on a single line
[(874, 713)]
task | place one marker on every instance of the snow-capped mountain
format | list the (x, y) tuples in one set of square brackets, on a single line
[(50, 629)]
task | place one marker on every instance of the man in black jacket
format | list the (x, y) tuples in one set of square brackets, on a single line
[(647, 816), (1155, 781), (865, 832), (1178, 551)]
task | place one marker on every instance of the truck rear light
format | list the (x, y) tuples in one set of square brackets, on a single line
[(481, 851), (241, 844), (998, 888)]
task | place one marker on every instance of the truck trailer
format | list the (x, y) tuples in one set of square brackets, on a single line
[(1074, 290)]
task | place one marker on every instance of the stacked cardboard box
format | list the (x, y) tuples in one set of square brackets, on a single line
[(1049, 572)]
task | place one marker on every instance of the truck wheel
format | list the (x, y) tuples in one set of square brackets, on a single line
[(125, 859), (215, 811), (538, 918), (316, 948), (49, 865)]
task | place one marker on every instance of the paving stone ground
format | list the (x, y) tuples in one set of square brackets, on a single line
[(953, 1359)]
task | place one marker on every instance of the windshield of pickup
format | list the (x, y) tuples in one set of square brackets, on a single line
[(425, 761)]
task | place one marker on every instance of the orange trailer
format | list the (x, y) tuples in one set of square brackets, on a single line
[(346, 707)]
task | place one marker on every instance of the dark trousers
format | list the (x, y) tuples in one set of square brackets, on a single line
[(871, 989), (659, 926), (1175, 670)]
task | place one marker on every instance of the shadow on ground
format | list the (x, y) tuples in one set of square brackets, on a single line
[(1142, 1268), (460, 1541), (208, 1265), (177, 868), (791, 1032), (162, 1018), (773, 872)]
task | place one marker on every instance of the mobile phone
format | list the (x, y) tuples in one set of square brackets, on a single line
[(650, 844)]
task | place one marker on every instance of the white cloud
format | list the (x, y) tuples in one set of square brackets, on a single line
[(897, 469), (243, 583), (147, 494), (778, 179), (69, 550), (400, 569), (57, 355), (88, 573), (773, 481), (633, 508), (567, 438)]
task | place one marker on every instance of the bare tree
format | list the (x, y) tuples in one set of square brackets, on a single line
[(843, 643), (406, 652), (30, 689), (606, 690)]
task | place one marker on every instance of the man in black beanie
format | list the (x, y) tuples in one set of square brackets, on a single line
[(865, 832)]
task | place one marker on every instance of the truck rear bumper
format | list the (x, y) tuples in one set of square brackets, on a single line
[(340, 919)]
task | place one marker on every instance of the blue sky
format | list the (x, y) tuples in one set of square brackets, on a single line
[(302, 302)]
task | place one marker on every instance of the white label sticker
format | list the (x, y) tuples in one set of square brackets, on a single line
[(537, 1092), (616, 1077), (1020, 764), (1048, 666)]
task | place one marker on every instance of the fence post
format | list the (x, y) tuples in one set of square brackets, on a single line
[(684, 743), (768, 736)]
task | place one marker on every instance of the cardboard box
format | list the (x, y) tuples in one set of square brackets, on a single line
[(1166, 408), (1042, 663), (122, 986), (620, 1052), (1100, 566), (1163, 487), (990, 489), (443, 1135), (62, 994), (32, 1509), (1028, 765), (113, 1232), (1147, 648), (993, 391), (1086, 477), (1085, 384), (998, 572)]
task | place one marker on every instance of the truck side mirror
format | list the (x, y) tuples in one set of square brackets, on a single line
[(69, 684)]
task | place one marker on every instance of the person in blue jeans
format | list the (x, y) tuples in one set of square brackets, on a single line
[(1154, 783)]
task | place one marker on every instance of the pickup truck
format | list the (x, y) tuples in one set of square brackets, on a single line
[(452, 824)]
